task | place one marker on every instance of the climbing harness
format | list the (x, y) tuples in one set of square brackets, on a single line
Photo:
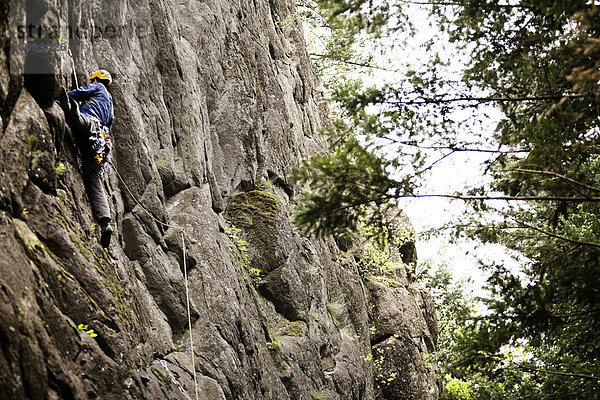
[(100, 143), (185, 275)]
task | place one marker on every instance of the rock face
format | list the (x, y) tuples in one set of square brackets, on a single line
[(215, 102)]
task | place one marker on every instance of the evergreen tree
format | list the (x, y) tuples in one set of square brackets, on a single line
[(536, 62)]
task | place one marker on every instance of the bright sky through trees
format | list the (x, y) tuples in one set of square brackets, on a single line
[(449, 171)]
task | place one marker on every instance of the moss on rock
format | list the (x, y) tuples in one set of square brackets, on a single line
[(256, 212), (248, 208)]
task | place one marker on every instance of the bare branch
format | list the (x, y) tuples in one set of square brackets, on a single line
[(557, 175), (453, 148), (354, 63), (435, 162), (481, 100), (548, 233), (449, 3), (545, 371), (506, 198)]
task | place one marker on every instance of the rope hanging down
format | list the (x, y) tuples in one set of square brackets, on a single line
[(185, 276)]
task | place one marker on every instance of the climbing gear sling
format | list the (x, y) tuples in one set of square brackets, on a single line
[(100, 142), (73, 64)]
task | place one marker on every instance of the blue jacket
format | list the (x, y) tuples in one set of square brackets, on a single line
[(96, 102)]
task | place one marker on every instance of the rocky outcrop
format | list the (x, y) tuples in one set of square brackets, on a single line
[(215, 102)]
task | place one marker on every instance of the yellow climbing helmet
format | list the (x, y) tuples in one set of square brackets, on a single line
[(101, 75)]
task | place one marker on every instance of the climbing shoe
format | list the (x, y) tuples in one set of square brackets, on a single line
[(106, 234)]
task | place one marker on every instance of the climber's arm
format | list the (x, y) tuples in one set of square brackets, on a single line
[(82, 93)]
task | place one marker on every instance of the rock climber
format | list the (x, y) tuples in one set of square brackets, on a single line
[(90, 123)]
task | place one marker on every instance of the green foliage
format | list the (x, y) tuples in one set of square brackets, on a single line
[(536, 64), (241, 245), (455, 389), (376, 18), (380, 256), (84, 328), (335, 52), (343, 189), (274, 345), (380, 354), (32, 143), (60, 169)]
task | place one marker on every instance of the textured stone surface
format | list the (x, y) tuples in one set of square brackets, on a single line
[(215, 102)]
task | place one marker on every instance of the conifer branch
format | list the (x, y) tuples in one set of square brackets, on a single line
[(502, 317)]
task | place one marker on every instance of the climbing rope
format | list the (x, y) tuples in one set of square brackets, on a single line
[(185, 276), (187, 299)]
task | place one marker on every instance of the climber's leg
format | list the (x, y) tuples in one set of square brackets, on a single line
[(93, 186)]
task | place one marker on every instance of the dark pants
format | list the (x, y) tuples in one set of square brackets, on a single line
[(92, 174)]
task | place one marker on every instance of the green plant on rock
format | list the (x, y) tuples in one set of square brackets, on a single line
[(60, 169), (234, 234), (241, 245), (84, 328), (383, 376), (255, 276), (288, 328), (20, 314), (336, 309), (274, 345), (32, 143), (377, 261), (389, 282)]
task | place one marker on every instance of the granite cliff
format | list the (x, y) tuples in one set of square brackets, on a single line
[(215, 102)]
